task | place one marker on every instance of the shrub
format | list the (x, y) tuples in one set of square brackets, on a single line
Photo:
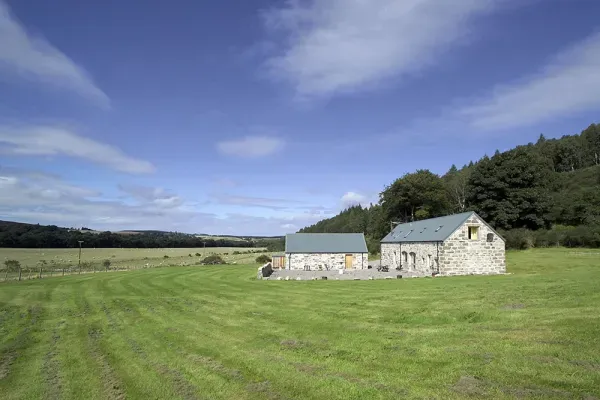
[(165, 256), (86, 265), (106, 264), (519, 239), (190, 255), (198, 254), (12, 265), (235, 253), (214, 259), (263, 259)]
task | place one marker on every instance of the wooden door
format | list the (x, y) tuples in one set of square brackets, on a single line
[(348, 261)]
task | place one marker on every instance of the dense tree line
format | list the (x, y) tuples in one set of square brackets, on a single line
[(20, 235), (536, 194)]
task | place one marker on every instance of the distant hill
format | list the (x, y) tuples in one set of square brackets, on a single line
[(22, 235)]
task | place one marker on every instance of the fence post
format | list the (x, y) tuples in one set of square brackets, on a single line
[(63, 271), (94, 268), (28, 273), (40, 273), (19, 274), (51, 271)]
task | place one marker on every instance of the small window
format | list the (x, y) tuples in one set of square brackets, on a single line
[(439, 227), (413, 258), (423, 230), (490, 237), (404, 257), (396, 235), (409, 232), (473, 232)]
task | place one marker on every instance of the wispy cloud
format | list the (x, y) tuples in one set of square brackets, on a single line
[(250, 201), (50, 141), (337, 46), (157, 196), (35, 58), (36, 197), (568, 84), (251, 146)]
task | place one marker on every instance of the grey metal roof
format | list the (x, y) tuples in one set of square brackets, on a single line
[(427, 230), (325, 243)]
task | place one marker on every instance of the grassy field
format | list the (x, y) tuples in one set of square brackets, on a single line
[(216, 333), (132, 258)]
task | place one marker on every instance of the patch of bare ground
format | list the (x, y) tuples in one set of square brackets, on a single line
[(470, 386), (514, 306), (292, 344), (592, 366), (265, 389), (182, 386), (113, 387), (476, 387), (217, 367)]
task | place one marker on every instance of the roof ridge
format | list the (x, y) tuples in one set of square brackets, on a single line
[(431, 219)]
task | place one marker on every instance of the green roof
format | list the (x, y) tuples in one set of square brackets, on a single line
[(325, 243), (427, 230)]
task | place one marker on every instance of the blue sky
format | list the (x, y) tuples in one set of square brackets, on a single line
[(261, 117)]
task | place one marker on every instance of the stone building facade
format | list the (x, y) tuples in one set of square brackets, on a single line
[(325, 251), (462, 244), (326, 261)]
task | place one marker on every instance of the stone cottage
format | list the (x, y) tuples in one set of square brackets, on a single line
[(325, 251), (459, 244)]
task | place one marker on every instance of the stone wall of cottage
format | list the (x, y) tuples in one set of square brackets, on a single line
[(418, 257), (463, 256), (333, 261)]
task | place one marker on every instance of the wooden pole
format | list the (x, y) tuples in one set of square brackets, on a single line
[(40, 273), (29, 273), (19, 274), (6, 275), (63, 271), (51, 271)]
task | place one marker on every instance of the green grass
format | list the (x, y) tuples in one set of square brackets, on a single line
[(132, 258), (216, 333)]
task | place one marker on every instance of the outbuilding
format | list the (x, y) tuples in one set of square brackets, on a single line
[(326, 251), (459, 244)]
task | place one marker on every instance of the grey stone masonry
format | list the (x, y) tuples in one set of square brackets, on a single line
[(324, 261), (419, 257), (456, 255), (481, 256)]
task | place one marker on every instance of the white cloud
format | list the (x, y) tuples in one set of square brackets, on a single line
[(251, 146), (49, 141), (570, 83), (45, 201), (35, 58), (337, 46), (352, 199)]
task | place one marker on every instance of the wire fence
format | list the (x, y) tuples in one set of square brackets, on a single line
[(26, 273)]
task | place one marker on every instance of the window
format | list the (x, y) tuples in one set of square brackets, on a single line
[(404, 257), (409, 232), (429, 264), (422, 230), (439, 227), (473, 232), (396, 235), (413, 258), (490, 237)]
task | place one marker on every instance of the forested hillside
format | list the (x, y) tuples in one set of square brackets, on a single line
[(19, 235), (540, 194)]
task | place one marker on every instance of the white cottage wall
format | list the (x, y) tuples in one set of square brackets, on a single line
[(331, 261)]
